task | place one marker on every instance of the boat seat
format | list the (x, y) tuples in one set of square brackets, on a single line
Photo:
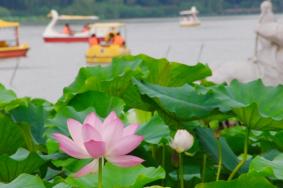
[(3, 44)]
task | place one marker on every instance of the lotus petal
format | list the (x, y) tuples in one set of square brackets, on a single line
[(125, 160), (70, 147), (92, 167)]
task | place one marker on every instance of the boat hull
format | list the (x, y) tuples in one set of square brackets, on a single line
[(13, 52), (104, 54), (189, 24), (65, 39)]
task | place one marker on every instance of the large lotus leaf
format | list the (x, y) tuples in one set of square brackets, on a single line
[(6, 95), (25, 181), (11, 136), (165, 73), (116, 79), (272, 168), (62, 185), (113, 79), (70, 165), (34, 113), (257, 106), (102, 103), (278, 139), (235, 137), (183, 103), (250, 180), (22, 161), (209, 143), (113, 176), (154, 131)]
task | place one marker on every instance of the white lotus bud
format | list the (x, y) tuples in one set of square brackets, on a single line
[(182, 141)]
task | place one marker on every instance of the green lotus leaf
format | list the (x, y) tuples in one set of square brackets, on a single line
[(62, 185), (22, 161), (6, 95), (278, 139), (182, 103), (11, 136), (154, 131), (255, 105), (113, 176), (190, 171), (272, 168), (165, 73), (25, 181), (209, 142), (116, 79), (102, 103), (250, 180), (34, 113)]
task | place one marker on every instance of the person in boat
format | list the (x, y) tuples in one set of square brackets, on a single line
[(118, 39), (67, 29), (86, 28), (93, 40), (109, 39)]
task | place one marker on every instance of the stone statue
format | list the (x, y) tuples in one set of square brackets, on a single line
[(267, 63)]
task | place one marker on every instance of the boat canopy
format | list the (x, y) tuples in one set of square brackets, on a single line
[(70, 17), (54, 14), (191, 11), (108, 25), (5, 24)]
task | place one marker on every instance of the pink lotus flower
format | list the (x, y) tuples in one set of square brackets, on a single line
[(94, 139)]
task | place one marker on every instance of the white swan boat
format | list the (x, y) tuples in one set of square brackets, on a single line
[(51, 35), (189, 18)]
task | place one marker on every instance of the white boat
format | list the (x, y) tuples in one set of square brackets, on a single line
[(189, 18), (51, 35)]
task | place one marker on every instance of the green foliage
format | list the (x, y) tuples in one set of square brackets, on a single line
[(11, 135), (21, 162), (134, 177), (246, 180), (4, 12), (184, 103), (24, 180), (155, 131), (268, 168), (6, 95), (131, 8), (257, 106), (34, 113), (209, 143), (163, 96), (116, 79)]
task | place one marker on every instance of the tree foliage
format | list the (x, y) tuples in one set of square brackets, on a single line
[(133, 8)]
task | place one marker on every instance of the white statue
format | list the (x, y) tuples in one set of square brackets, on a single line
[(267, 62), (267, 14)]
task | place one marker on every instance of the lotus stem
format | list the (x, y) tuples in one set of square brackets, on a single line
[(163, 162), (181, 171), (100, 164), (219, 160), (153, 151), (203, 168), (245, 156)]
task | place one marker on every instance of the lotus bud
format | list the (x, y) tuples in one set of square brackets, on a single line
[(182, 141)]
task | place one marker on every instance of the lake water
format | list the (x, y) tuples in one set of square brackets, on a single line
[(50, 67)]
